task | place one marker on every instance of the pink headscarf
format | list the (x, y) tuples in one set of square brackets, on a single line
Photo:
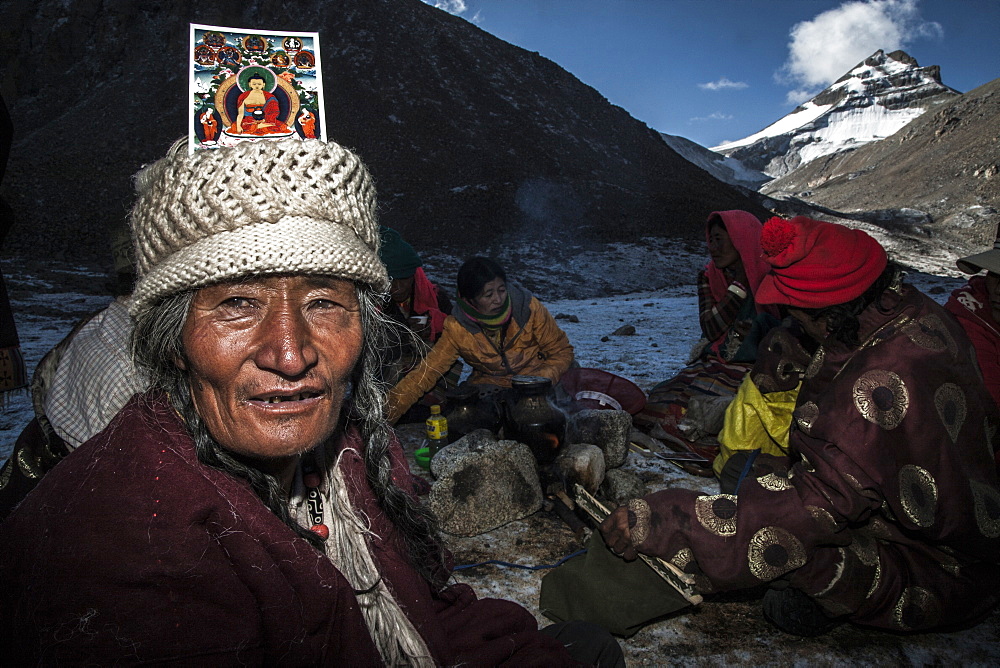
[(744, 231)]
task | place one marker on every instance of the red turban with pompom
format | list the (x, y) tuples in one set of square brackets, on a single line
[(816, 264)]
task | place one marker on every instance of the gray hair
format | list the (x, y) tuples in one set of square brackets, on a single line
[(157, 346)]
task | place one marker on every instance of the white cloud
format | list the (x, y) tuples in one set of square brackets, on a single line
[(798, 96), (456, 7), (823, 49), (722, 84), (715, 116)]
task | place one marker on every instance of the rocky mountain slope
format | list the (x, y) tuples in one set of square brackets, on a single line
[(936, 180), (726, 169), (875, 99), (475, 144)]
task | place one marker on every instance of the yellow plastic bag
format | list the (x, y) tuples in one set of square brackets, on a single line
[(756, 421)]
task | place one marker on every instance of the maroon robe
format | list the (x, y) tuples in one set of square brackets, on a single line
[(130, 550), (888, 509)]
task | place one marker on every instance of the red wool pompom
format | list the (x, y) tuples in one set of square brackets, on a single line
[(776, 236)]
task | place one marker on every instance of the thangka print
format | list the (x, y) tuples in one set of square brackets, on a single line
[(253, 85)]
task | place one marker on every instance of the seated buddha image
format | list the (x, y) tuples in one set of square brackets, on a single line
[(257, 105)]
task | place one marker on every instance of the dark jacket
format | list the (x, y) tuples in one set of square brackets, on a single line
[(888, 508), (131, 550)]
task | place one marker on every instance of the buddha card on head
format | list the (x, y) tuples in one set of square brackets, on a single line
[(253, 85)]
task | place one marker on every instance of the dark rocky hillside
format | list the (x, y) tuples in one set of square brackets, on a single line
[(474, 143)]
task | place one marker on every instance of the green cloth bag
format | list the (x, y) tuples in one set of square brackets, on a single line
[(599, 587)]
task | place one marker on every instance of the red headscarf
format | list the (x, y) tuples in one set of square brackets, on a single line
[(744, 231), (425, 300), (817, 264)]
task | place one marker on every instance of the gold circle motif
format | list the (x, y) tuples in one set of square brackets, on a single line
[(773, 482), (876, 579), (991, 432), (881, 397), (918, 494), (864, 548), (717, 513), (28, 465), (765, 384), (805, 416), (683, 557), (879, 529), (823, 518), (640, 532), (853, 482), (949, 563), (929, 332), (916, 609), (950, 403), (773, 552), (684, 560), (816, 363), (986, 500)]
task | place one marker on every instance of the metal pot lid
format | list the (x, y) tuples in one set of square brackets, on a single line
[(530, 382)]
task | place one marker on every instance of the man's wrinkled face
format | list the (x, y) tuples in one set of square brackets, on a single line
[(269, 361)]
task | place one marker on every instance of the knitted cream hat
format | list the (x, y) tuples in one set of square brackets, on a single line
[(265, 207)]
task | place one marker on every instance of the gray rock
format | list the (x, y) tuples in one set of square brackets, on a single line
[(483, 483), (582, 463), (621, 485), (607, 429)]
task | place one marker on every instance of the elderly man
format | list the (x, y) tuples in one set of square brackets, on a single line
[(252, 507), (887, 512)]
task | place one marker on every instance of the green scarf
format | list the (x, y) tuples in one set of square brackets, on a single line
[(493, 321)]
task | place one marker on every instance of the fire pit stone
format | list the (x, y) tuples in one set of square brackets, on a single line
[(607, 429), (483, 483), (582, 463), (620, 485)]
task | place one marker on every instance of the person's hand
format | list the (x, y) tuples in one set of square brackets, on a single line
[(616, 529), (743, 328)]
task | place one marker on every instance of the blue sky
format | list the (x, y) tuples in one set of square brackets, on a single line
[(719, 70)]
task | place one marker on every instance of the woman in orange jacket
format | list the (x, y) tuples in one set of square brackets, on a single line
[(498, 328)]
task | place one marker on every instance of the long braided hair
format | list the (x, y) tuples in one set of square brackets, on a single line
[(157, 344)]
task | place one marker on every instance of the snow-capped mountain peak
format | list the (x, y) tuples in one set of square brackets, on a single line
[(875, 99)]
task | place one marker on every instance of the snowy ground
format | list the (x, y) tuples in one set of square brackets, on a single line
[(723, 631)]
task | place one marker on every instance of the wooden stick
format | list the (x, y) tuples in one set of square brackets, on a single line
[(675, 577)]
